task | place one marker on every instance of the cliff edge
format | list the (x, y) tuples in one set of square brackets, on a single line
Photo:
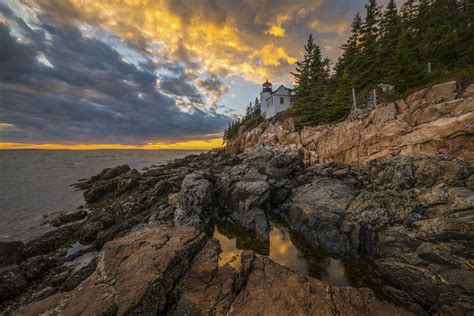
[(432, 121)]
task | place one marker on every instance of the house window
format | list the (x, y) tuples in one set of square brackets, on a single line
[(282, 100)]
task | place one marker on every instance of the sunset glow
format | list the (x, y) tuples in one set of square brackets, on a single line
[(148, 74), (196, 144)]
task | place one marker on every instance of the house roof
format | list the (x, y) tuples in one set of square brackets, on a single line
[(280, 91)]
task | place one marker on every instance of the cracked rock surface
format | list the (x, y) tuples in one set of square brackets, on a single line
[(148, 270), (145, 245)]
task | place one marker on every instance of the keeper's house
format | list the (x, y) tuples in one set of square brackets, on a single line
[(273, 102)]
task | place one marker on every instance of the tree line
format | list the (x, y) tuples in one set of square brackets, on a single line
[(389, 46), (251, 119)]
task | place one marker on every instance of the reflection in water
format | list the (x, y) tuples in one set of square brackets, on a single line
[(282, 249), (230, 254), (82, 261), (335, 273), (75, 248)]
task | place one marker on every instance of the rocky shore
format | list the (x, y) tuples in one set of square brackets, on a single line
[(143, 244)]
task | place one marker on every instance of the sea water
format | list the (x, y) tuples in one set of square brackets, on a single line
[(35, 184)]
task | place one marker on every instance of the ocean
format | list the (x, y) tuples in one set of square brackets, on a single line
[(35, 184)]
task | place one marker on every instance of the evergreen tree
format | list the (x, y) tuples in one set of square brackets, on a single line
[(347, 62), (319, 75), (407, 72), (443, 33), (302, 75), (367, 68), (311, 77), (409, 12), (466, 34), (257, 107), (249, 111), (390, 27), (340, 104)]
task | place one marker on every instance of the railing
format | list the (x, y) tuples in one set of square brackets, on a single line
[(370, 98)]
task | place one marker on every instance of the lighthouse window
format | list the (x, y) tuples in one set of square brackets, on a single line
[(282, 100)]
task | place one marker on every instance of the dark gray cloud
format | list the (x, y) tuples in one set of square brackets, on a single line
[(58, 86)]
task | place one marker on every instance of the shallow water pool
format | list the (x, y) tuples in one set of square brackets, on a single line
[(285, 249)]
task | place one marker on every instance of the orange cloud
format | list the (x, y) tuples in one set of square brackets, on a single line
[(272, 55), (215, 43), (339, 28), (277, 29)]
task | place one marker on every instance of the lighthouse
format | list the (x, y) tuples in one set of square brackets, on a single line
[(274, 102), (264, 95)]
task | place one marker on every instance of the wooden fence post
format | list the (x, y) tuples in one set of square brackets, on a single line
[(354, 101)]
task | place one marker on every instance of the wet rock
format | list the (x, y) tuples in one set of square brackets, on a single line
[(51, 241), (34, 268), (409, 220), (12, 282), (89, 231), (253, 220), (148, 261), (126, 185), (100, 190), (11, 252), (271, 289), (66, 218), (110, 181), (410, 217), (78, 276), (111, 173), (317, 213), (194, 203), (206, 288)]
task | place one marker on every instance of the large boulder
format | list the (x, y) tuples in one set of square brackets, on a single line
[(110, 181), (317, 212), (134, 275), (194, 203)]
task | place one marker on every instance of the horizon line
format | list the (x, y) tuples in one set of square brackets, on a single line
[(214, 143)]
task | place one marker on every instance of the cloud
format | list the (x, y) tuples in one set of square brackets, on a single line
[(214, 87), (149, 70), (89, 93)]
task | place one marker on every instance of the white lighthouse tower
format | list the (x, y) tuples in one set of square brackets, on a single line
[(264, 96)]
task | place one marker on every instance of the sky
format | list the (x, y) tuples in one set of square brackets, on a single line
[(151, 74)]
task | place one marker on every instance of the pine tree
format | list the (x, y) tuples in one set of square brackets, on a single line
[(340, 104), (302, 75), (347, 62), (368, 70), (443, 33), (407, 72), (466, 34), (319, 73), (257, 107), (390, 27), (311, 76)]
